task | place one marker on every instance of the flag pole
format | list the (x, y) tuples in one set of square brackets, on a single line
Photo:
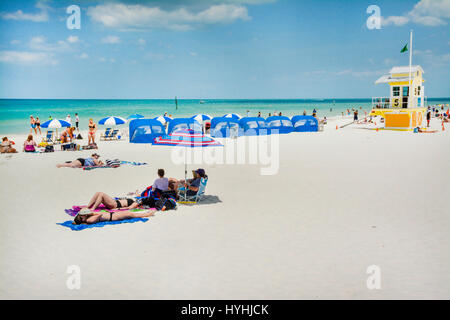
[(410, 68)]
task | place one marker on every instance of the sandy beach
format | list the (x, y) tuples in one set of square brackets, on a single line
[(341, 201)]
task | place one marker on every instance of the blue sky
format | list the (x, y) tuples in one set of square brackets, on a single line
[(217, 49)]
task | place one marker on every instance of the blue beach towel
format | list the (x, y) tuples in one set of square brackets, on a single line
[(79, 227)]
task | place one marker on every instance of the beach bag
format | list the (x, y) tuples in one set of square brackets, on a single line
[(79, 137), (29, 148), (49, 148), (163, 202), (70, 146), (113, 163)]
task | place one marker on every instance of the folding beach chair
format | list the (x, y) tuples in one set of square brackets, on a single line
[(49, 137), (106, 134), (198, 196), (113, 135)]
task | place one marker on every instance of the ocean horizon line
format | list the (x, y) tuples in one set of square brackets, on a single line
[(209, 99)]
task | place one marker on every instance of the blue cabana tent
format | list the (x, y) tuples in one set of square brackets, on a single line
[(145, 130), (222, 127), (184, 123), (254, 126), (305, 124), (279, 124)]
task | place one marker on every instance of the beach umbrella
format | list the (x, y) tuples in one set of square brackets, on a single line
[(186, 138), (201, 117), (233, 116), (163, 119), (112, 121), (135, 116), (55, 124)]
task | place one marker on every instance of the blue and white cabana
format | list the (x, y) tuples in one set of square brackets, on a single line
[(200, 118), (184, 123), (145, 130), (233, 116), (279, 124), (254, 126), (163, 119), (305, 124), (222, 127)]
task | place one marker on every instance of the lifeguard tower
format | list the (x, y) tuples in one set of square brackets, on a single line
[(403, 110)]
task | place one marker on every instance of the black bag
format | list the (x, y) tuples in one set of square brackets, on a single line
[(79, 137), (164, 202), (49, 148)]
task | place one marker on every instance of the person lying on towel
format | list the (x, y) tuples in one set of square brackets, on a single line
[(94, 217), (82, 162)]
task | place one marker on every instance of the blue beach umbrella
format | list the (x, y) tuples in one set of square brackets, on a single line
[(135, 116), (233, 116), (163, 119), (201, 117), (55, 124), (112, 121)]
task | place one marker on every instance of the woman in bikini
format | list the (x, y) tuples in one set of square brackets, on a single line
[(110, 203), (37, 122), (92, 131), (92, 218)]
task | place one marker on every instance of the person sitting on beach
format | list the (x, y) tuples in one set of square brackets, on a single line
[(93, 217), (6, 146), (82, 162), (191, 185), (162, 183), (29, 145), (66, 134)]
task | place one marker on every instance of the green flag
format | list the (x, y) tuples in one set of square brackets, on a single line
[(405, 48)]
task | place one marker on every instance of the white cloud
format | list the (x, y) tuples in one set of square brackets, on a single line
[(111, 40), (72, 39), (123, 16), (42, 16), (394, 20), (426, 12), (27, 58), (40, 44)]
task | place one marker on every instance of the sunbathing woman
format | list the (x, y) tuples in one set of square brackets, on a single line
[(92, 218), (82, 162), (110, 203)]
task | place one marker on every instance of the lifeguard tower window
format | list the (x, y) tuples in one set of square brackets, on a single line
[(396, 91)]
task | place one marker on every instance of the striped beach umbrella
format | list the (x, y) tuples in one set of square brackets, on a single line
[(55, 124), (233, 116), (135, 116), (163, 119), (112, 121), (201, 117)]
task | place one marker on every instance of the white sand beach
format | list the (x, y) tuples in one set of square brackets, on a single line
[(342, 200)]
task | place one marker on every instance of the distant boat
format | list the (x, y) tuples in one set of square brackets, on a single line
[(202, 102)]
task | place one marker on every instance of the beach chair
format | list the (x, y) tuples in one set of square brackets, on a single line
[(49, 137), (198, 196), (106, 134), (114, 135)]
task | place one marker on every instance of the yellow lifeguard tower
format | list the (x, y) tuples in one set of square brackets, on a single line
[(403, 110)]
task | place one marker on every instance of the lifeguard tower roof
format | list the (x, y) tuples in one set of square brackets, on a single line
[(400, 74)]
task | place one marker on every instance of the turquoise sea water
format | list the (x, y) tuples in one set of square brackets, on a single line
[(15, 113)]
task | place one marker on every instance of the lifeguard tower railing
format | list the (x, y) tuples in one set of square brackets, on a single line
[(385, 103)]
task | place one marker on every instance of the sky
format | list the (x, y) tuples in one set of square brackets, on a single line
[(207, 49)]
